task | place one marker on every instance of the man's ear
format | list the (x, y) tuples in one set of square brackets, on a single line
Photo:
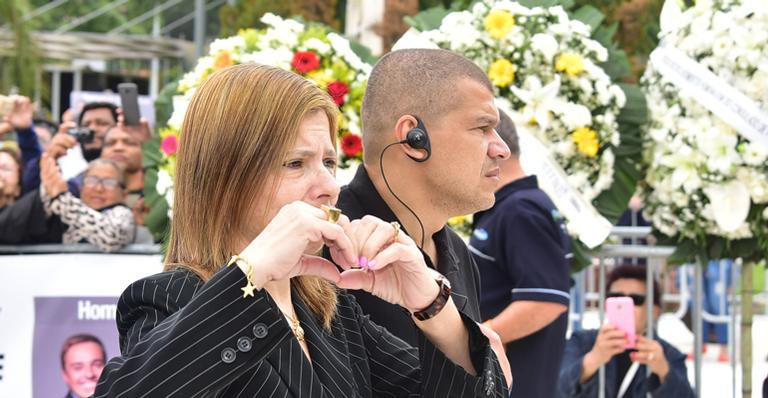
[(405, 124)]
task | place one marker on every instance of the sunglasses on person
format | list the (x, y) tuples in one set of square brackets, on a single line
[(637, 299), (93, 181)]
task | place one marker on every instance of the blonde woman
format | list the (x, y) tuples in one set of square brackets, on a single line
[(245, 308)]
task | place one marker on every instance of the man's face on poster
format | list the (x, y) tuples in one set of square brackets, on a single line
[(83, 364)]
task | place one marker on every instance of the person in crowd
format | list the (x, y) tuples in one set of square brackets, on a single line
[(99, 216), (96, 116), (523, 253), (587, 350), (244, 307), (454, 108), (124, 148), (82, 360), (20, 121), (10, 177), (22, 218)]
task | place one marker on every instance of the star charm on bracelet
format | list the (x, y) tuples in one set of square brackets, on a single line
[(248, 289)]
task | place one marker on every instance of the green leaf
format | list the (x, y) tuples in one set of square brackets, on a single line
[(604, 34), (164, 103), (539, 3), (589, 15), (744, 248), (428, 19), (618, 65), (581, 256), (685, 252), (362, 51), (716, 247), (635, 109)]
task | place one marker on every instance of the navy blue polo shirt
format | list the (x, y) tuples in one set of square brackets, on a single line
[(522, 250)]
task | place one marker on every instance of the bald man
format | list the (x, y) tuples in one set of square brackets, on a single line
[(452, 100)]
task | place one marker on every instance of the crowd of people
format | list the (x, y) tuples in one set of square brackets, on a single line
[(101, 203)]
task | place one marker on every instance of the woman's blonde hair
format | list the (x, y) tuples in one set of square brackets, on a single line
[(238, 129)]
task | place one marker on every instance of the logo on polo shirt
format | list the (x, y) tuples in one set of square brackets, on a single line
[(556, 215), (480, 234)]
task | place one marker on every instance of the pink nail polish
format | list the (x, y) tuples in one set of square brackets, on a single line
[(363, 262), (371, 263)]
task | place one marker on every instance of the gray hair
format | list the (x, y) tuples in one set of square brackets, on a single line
[(108, 162)]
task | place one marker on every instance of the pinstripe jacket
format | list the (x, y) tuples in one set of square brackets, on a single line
[(180, 337)]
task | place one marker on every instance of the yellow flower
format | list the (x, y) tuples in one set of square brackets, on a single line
[(323, 77), (498, 23), (571, 63), (502, 72), (586, 140)]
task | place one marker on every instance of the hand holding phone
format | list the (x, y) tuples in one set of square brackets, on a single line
[(620, 312), (129, 102)]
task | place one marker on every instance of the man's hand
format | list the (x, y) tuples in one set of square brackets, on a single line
[(61, 142), (498, 349), (610, 341), (21, 116), (651, 353), (141, 131)]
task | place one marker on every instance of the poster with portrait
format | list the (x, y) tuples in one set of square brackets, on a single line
[(73, 337)]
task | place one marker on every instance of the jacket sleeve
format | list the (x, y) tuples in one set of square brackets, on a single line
[(676, 383), (112, 229), (175, 349), (401, 370), (568, 385), (23, 219), (28, 143)]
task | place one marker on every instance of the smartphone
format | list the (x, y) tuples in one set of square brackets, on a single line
[(620, 312), (129, 102), (6, 106)]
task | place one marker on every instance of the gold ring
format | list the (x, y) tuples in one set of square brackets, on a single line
[(332, 212), (396, 226)]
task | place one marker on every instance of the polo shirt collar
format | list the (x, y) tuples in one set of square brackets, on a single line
[(362, 187), (527, 182)]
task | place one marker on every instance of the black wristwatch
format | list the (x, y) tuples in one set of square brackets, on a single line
[(437, 305)]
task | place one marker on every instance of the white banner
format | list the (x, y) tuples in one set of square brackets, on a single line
[(47, 298), (713, 93), (589, 226)]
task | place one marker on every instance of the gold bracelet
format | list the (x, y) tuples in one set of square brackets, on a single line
[(249, 287)]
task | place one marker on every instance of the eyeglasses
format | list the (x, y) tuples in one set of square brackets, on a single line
[(93, 181), (638, 299)]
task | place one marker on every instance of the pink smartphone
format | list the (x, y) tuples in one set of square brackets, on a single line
[(620, 312)]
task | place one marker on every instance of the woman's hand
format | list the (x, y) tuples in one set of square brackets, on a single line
[(282, 249), (50, 176), (650, 353), (391, 265)]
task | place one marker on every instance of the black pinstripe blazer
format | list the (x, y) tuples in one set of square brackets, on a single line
[(181, 337)]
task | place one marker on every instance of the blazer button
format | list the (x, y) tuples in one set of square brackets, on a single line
[(260, 330), (228, 355), (244, 344)]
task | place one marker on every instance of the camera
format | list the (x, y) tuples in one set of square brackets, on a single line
[(83, 135)]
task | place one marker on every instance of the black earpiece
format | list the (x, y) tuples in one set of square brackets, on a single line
[(417, 138)]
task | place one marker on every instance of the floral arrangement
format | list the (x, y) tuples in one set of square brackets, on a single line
[(546, 65), (313, 51), (707, 184)]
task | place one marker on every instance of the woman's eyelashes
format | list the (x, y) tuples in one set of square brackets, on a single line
[(296, 164)]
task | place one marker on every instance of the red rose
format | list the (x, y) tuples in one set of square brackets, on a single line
[(305, 61), (351, 145), (338, 90)]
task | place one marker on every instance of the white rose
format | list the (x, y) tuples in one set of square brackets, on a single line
[(545, 44), (278, 57), (754, 154), (575, 116), (164, 182), (317, 45), (229, 44), (730, 204)]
